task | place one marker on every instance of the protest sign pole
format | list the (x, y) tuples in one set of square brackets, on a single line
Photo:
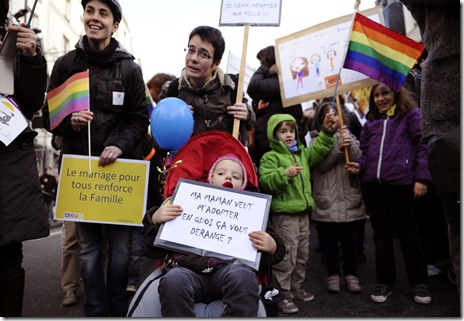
[(339, 112), (241, 76), (236, 13), (340, 118)]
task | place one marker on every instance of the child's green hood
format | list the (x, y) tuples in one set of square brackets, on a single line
[(272, 124)]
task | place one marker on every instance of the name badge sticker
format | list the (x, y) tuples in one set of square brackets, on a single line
[(118, 98)]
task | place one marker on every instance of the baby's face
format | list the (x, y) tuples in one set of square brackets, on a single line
[(228, 174)]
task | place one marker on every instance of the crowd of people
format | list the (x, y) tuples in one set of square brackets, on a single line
[(320, 165)]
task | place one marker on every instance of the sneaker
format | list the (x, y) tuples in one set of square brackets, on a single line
[(352, 284), (433, 270), (380, 293), (131, 289), (333, 284), (287, 306), (302, 295), (69, 298), (422, 295)]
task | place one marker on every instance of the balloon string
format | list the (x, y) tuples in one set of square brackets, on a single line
[(166, 170)]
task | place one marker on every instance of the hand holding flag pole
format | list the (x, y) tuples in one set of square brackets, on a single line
[(339, 112), (71, 96)]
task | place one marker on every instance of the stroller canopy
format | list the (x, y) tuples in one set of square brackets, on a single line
[(199, 154)]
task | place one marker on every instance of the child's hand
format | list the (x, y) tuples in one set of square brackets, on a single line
[(353, 167), (294, 170), (166, 213), (263, 242), (345, 138), (329, 121), (419, 189)]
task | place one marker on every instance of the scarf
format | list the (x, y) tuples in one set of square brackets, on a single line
[(293, 147), (391, 111)]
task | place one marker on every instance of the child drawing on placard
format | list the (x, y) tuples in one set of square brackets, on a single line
[(316, 61), (331, 56), (299, 68)]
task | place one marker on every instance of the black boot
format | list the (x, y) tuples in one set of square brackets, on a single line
[(11, 295)]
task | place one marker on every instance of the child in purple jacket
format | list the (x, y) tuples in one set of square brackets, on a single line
[(393, 170)]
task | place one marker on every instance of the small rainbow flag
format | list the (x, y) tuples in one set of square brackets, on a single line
[(70, 96), (150, 103), (381, 53)]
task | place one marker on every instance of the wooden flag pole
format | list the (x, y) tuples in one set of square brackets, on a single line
[(340, 120), (241, 77), (339, 111)]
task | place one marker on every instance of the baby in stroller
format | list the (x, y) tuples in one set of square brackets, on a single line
[(181, 287)]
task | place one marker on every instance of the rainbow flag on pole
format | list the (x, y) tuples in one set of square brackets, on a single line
[(381, 53), (71, 96), (150, 103)]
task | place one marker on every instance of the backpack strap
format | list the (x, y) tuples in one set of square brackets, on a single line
[(125, 71)]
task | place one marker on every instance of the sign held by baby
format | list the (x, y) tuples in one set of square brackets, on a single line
[(216, 222)]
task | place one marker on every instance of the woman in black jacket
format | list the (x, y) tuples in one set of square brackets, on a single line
[(118, 120)]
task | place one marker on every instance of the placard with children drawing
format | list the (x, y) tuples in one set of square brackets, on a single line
[(216, 222), (309, 60)]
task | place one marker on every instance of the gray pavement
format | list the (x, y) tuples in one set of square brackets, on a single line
[(43, 291)]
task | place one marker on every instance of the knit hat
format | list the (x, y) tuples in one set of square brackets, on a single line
[(114, 6), (233, 158)]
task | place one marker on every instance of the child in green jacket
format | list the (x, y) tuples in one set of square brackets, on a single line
[(284, 172)]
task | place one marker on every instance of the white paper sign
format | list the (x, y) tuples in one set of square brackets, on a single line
[(8, 52), (215, 221), (12, 121), (253, 13)]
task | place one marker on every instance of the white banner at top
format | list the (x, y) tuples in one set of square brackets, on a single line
[(253, 13)]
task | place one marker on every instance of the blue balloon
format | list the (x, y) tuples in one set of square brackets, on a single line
[(171, 123)]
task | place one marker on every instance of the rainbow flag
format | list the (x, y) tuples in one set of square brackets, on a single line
[(70, 96), (381, 53), (150, 103)]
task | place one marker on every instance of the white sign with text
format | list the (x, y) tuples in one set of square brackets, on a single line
[(253, 13), (216, 221)]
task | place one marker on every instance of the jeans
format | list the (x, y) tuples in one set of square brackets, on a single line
[(391, 206), (235, 284), (134, 258), (106, 296)]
